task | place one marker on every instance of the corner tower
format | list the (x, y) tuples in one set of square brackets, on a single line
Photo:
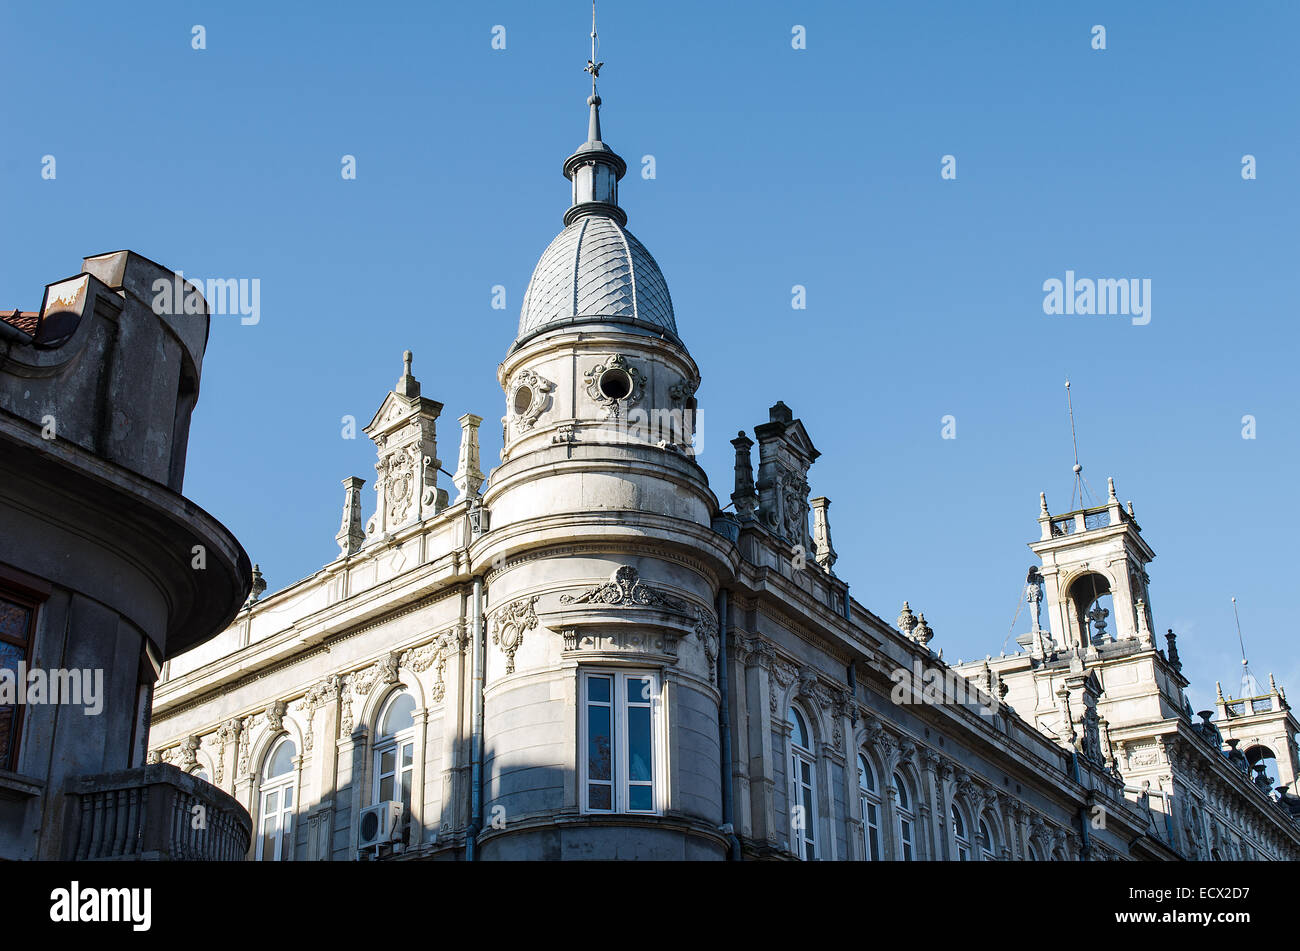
[(597, 557)]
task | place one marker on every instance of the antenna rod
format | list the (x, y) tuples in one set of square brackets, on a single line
[(1240, 639), (1073, 438)]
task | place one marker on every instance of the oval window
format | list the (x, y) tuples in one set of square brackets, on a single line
[(615, 384)]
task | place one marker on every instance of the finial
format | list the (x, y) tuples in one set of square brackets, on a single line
[(1218, 691), (592, 66), (1272, 684), (1110, 489), (407, 385), (1130, 508), (594, 169), (1042, 503)]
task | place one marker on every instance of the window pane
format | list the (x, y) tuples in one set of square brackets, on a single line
[(286, 840), (599, 746), (399, 715), (288, 797), (598, 689), (798, 731), (385, 788), (641, 798), (387, 762), (639, 749), (14, 619), (10, 656), (408, 754), (599, 796), (406, 789), (281, 761), (269, 829), (639, 689), (272, 803)]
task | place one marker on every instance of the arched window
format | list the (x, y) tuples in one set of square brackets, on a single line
[(869, 802), (988, 844), (905, 821), (960, 836), (279, 784), (198, 772), (803, 787), (395, 753)]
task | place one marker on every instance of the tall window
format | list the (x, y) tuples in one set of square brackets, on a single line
[(803, 787), (959, 834), (17, 617), (275, 827), (622, 732), (869, 802), (905, 825), (395, 754), (988, 844)]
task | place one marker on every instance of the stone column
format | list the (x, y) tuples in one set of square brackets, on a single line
[(418, 817), (455, 730)]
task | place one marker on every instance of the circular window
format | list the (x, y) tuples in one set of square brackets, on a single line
[(615, 384), (523, 400)]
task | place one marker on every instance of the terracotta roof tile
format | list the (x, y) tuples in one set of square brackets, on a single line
[(24, 320)]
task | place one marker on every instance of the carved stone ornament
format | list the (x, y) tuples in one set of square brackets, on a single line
[(189, 752), (706, 627), (795, 504), (275, 716), (397, 471), (509, 626), (436, 652), (382, 671), (534, 388), (906, 620), (624, 587), (635, 385), (245, 736)]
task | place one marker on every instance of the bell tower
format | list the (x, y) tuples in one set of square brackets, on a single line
[(1087, 555)]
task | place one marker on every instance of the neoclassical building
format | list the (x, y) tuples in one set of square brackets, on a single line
[(590, 655)]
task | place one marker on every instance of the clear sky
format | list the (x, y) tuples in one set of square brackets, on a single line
[(774, 167)]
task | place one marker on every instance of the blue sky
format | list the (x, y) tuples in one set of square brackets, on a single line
[(775, 167)]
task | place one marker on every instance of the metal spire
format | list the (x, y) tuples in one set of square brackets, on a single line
[(1081, 487), (592, 66), (1249, 685)]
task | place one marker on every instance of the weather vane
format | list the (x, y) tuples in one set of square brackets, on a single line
[(592, 66)]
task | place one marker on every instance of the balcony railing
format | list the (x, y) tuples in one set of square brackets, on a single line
[(157, 813)]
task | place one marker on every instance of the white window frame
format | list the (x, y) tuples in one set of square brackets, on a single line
[(869, 804), (803, 794), (904, 819), (395, 744), (620, 779), (284, 815)]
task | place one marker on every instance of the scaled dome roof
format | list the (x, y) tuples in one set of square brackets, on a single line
[(595, 269)]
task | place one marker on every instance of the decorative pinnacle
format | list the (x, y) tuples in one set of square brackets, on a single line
[(1110, 485), (407, 385), (1042, 503)]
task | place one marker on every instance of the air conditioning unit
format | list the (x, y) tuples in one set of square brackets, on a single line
[(381, 824)]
